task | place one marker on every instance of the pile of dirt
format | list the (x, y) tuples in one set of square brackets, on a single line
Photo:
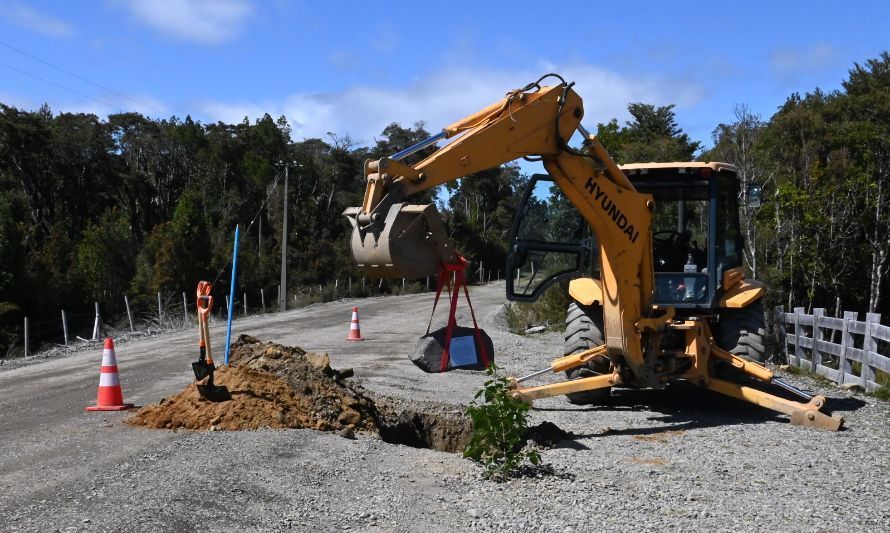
[(272, 386), (279, 386)]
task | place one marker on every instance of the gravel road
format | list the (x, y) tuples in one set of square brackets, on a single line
[(676, 459)]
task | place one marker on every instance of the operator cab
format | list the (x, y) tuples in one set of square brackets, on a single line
[(696, 204)]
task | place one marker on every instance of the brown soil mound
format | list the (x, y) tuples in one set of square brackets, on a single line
[(272, 386)]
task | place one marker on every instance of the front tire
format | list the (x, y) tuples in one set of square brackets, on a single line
[(742, 331), (584, 330)]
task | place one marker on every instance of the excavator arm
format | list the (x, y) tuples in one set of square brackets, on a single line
[(391, 238)]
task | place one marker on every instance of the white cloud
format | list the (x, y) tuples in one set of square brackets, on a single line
[(34, 20), (206, 22), (788, 61), (445, 96)]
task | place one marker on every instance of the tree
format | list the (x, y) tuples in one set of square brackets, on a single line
[(736, 143)]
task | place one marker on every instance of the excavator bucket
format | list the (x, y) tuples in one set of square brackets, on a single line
[(404, 241)]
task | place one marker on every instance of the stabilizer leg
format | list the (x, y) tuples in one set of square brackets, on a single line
[(527, 394), (802, 414)]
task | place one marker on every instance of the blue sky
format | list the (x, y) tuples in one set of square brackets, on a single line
[(353, 67)]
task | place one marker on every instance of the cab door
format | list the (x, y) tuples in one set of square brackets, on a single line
[(549, 241)]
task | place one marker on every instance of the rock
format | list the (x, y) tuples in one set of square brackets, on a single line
[(474, 513), (349, 417), (535, 329), (347, 433), (852, 387), (428, 351)]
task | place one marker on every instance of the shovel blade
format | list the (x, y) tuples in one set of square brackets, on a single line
[(214, 393), (202, 369)]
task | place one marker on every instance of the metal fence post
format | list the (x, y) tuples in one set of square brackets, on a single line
[(263, 299), (129, 314), (96, 323), (65, 326), (27, 339), (245, 304), (160, 310)]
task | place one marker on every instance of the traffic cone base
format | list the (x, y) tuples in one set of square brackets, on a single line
[(109, 396), (355, 332)]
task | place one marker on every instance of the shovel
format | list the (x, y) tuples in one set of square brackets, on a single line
[(204, 367)]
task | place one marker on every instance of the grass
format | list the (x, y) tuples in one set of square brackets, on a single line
[(550, 309)]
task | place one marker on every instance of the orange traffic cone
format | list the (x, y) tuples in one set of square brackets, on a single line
[(110, 397), (355, 333)]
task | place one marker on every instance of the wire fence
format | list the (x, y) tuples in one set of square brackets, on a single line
[(178, 311)]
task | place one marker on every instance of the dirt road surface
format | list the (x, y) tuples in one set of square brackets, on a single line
[(647, 461)]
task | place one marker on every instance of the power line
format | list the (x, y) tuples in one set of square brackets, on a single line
[(60, 86), (81, 78)]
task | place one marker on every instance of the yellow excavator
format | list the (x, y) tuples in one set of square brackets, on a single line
[(658, 293)]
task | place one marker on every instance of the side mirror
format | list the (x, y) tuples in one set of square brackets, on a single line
[(755, 195)]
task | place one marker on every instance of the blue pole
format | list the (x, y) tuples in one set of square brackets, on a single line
[(232, 295)]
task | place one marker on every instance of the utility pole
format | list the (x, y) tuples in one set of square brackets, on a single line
[(282, 299), (282, 293)]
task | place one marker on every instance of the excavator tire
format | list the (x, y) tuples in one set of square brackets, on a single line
[(742, 331), (584, 330)]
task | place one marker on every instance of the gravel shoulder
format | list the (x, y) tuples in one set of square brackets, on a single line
[(647, 461)]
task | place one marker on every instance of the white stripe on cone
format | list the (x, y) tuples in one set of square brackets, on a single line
[(108, 358), (109, 379)]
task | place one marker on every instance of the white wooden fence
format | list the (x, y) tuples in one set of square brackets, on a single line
[(830, 346)]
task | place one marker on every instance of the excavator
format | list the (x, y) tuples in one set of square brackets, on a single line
[(658, 293)]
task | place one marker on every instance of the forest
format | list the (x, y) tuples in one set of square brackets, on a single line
[(93, 209)]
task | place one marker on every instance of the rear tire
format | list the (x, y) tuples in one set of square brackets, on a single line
[(584, 330), (742, 331)]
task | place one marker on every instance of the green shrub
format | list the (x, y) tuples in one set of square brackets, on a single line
[(499, 423)]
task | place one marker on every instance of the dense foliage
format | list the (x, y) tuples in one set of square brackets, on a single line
[(822, 237)]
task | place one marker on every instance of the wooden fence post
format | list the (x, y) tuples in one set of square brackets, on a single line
[(869, 346), (798, 350), (129, 314), (781, 339), (96, 322), (27, 339), (816, 355), (65, 326), (843, 364)]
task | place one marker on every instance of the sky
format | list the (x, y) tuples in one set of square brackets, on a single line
[(342, 68)]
